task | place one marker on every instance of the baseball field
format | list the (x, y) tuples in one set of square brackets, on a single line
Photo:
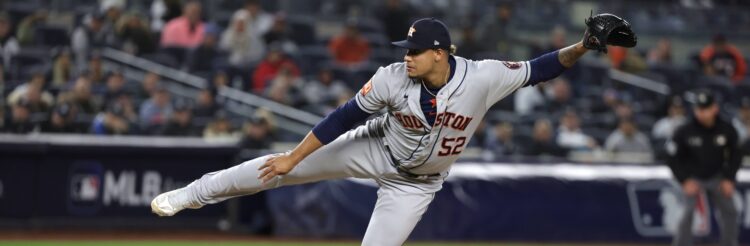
[(203, 238), (236, 243)]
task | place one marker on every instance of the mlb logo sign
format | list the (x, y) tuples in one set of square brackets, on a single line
[(657, 206), (85, 187)]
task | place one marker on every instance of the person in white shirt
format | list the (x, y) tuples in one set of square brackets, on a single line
[(626, 138), (664, 128), (570, 134)]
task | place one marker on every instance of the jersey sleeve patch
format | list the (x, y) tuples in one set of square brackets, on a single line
[(512, 65), (366, 88)]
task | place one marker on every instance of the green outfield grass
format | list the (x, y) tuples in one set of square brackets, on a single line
[(190, 243)]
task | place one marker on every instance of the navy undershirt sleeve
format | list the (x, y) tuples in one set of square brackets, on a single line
[(339, 121), (544, 68)]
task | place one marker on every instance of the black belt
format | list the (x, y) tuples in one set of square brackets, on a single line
[(405, 172)]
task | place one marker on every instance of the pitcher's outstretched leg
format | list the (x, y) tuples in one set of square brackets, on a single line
[(212, 188)]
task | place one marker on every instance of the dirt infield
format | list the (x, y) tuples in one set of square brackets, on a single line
[(187, 237), (167, 235)]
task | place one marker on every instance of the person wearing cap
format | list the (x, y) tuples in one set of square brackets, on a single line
[(721, 58), (63, 120), (181, 122), (112, 122), (704, 156), (89, 36), (665, 127), (434, 102)]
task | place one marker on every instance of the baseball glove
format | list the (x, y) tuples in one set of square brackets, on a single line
[(608, 29)]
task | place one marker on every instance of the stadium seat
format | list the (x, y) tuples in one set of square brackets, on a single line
[(52, 36), (178, 53), (302, 30), (312, 58)]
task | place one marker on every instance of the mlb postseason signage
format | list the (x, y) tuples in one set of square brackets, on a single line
[(518, 202), (66, 179)]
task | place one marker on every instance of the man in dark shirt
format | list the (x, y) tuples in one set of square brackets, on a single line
[(704, 155)]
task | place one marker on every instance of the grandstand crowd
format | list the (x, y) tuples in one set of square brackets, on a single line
[(54, 78)]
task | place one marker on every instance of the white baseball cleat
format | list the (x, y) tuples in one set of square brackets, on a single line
[(169, 203)]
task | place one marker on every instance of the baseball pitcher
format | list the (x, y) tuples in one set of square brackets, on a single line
[(433, 101)]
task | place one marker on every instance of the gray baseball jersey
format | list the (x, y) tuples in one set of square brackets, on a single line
[(402, 134), (461, 105)]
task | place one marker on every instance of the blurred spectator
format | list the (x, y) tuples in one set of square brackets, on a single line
[(482, 138), (543, 142), (267, 70), (350, 47), (501, 142), (63, 120), (155, 111), (62, 69), (741, 121), (469, 46), (244, 44), (280, 34), (95, 71), (611, 98), (570, 134), (90, 36), (626, 138), (529, 98), (112, 122), (114, 87), (721, 58), (8, 44), (623, 110), (128, 107), (135, 36), (661, 54), (181, 124), (557, 39), (286, 87), (185, 31), (664, 127), (496, 30), (27, 28), (395, 18), (20, 118), (81, 96), (33, 93), (206, 106), (256, 134), (203, 58), (220, 128), (560, 95), (324, 91), (219, 80), (3, 81), (163, 11), (258, 20), (628, 60), (112, 10), (148, 86), (34, 99)]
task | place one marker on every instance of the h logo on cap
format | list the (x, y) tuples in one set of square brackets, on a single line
[(411, 31)]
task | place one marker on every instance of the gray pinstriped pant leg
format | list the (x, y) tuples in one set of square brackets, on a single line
[(401, 201), (727, 216)]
